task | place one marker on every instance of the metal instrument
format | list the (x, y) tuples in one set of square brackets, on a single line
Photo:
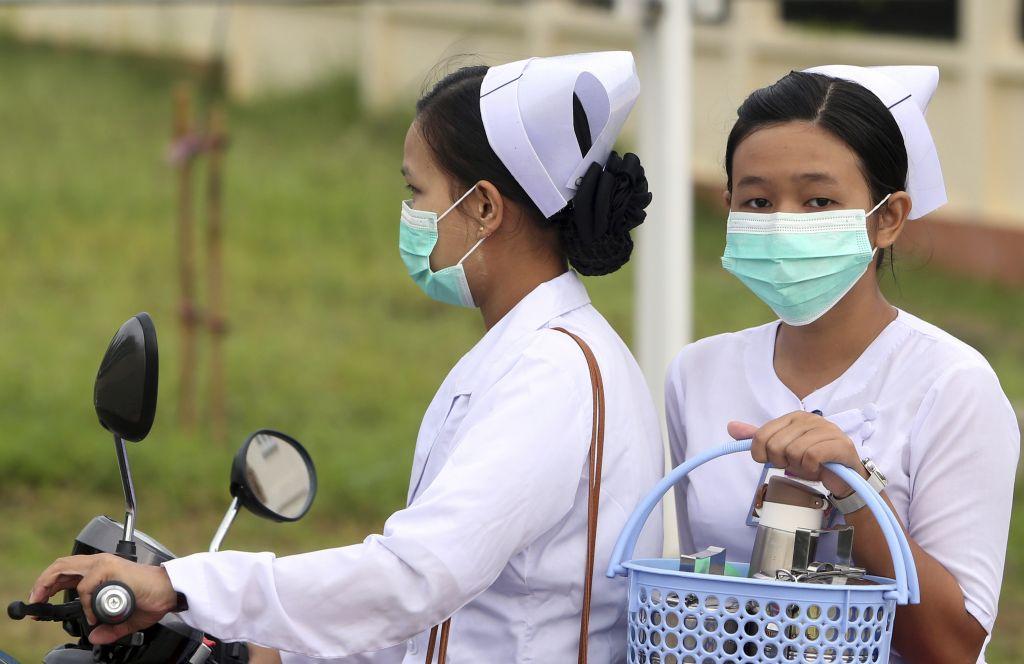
[(791, 516), (709, 561)]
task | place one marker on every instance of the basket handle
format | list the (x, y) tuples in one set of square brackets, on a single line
[(905, 571)]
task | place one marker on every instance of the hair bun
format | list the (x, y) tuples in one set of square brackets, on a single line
[(609, 203)]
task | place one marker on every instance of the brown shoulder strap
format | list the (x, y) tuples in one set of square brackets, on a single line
[(595, 457)]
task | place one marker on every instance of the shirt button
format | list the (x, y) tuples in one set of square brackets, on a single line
[(866, 430), (870, 412), (412, 647)]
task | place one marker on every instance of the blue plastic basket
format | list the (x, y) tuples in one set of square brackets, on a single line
[(686, 618)]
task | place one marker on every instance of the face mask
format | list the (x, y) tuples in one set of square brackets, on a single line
[(417, 235), (799, 264)]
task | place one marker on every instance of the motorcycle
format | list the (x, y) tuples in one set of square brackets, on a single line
[(272, 476)]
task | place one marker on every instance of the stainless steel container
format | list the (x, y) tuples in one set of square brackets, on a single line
[(789, 512)]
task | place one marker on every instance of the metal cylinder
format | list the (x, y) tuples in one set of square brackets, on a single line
[(773, 550)]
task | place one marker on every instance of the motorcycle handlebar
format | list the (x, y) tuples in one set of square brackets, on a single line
[(112, 604), (45, 611)]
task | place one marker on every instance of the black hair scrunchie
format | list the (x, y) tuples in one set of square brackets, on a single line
[(610, 201)]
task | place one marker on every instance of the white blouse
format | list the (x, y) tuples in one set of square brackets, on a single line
[(496, 527), (926, 407)]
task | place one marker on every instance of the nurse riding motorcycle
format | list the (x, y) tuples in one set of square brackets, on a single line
[(272, 476), (538, 442)]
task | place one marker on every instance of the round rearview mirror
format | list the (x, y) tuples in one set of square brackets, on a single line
[(273, 476), (126, 384)]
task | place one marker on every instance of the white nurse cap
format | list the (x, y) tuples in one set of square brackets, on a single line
[(527, 111), (905, 91)]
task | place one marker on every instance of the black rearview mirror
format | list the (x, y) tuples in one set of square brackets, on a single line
[(125, 401), (126, 385), (273, 477)]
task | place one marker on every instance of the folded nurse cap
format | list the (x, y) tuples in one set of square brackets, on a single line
[(527, 111), (906, 92)]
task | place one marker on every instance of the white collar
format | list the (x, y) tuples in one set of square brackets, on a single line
[(777, 399), (547, 301)]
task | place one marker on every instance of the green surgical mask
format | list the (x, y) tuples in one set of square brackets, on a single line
[(799, 264), (417, 236)]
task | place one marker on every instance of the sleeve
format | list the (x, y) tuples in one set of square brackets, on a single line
[(964, 448), (513, 474), (674, 416)]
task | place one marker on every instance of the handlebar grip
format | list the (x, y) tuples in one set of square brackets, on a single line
[(17, 610), (113, 603), (45, 611)]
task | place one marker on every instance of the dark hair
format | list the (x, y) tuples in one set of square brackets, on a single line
[(593, 228), (847, 110)]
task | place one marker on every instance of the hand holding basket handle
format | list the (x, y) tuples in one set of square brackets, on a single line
[(907, 589)]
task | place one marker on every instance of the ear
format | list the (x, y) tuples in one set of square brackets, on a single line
[(727, 197), (488, 208), (890, 218)]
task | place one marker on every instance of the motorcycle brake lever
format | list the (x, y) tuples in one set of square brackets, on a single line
[(45, 611)]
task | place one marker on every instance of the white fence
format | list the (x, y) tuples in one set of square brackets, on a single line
[(392, 47)]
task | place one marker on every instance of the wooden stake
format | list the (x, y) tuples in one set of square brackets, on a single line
[(182, 155), (216, 317)]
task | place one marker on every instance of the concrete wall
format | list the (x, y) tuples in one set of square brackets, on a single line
[(393, 47)]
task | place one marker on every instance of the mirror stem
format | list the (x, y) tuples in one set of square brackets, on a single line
[(126, 547), (225, 523)]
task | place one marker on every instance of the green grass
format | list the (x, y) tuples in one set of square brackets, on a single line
[(330, 340)]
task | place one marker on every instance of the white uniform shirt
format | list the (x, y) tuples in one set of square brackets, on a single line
[(496, 527), (926, 407)]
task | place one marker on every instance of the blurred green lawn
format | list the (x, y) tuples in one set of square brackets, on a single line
[(330, 339)]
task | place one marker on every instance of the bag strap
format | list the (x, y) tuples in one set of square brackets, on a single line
[(595, 461)]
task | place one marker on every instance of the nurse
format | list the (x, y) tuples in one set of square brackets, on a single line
[(518, 480), (824, 168)]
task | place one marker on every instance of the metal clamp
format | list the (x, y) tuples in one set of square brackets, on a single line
[(714, 555), (808, 546)]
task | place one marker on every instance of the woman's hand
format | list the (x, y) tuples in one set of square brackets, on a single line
[(801, 443), (154, 595)]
